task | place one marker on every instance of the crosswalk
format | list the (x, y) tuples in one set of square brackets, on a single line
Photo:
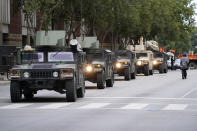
[(117, 106)]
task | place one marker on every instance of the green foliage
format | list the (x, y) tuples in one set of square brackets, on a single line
[(167, 21)]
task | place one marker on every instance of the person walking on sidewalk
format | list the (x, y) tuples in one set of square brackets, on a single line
[(184, 65)]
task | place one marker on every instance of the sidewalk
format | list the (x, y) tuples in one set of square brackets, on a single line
[(4, 80)]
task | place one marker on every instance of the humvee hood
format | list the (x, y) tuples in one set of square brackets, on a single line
[(143, 58), (44, 66), (123, 60), (98, 62)]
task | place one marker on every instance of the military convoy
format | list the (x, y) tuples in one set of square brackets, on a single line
[(99, 67), (125, 64), (65, 69)]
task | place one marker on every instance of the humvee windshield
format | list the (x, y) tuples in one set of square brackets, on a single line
[(95, 56), (60, 57), (33, 57), (138, 55), (158, 55), (122, 55)]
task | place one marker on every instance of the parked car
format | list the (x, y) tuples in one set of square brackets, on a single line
[(177, 64)]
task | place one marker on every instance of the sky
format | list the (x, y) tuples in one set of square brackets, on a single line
[(195, 1)]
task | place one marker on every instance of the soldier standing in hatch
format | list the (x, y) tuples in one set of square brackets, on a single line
[(184, 65)]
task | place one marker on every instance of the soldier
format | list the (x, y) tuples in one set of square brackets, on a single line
[(184, 65)]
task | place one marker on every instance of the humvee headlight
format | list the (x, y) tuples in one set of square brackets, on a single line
[(26, 74), (55, 74), (15, 73), (154, 62), (125, 62), (66, 73), (89, 68), (139, 63), (118, 65)]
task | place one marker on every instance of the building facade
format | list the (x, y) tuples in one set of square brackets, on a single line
[(13, 25)]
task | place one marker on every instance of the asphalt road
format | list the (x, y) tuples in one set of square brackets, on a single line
[(162, 102)]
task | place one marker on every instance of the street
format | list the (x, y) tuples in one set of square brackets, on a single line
[(162, 102)]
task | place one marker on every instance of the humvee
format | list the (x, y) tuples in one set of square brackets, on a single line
[(144, 62), (51, 68), (99, 67), (160, 62), (125, 64)]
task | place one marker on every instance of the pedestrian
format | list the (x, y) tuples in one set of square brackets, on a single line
[(172, 63), (184, 65)]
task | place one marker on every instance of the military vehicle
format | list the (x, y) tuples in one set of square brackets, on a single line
[(125, 64), (160, 62), (99, 67), (51, 68), (144, 55), (144, 62)]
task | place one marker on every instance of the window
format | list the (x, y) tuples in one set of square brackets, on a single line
[(5, 11), (24, 22), (60, 57)]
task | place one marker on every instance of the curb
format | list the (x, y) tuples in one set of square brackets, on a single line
[(4, 82)]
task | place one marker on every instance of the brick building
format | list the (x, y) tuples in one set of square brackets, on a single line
[(13, 27)]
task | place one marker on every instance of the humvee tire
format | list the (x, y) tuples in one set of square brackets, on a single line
[(166, 70), (101, 80), (127, 74), (15, 91), (28, 94), (146, 70), (71, 93), (161, 70), (133, 75), (81, 91), (151, 72), (110, 82)]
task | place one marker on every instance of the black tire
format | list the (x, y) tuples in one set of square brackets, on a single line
[(71, 92), (192, 65), (101, 80), (146, 70), (110, 82), (15, 92), (127, 74), (151, 72), (81, 91), (133, 75), (28, 94), (166, 70), (161, 69)]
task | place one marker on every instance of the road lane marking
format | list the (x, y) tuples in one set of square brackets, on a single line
[(136, 106), (15, 106), (153, 98), (94, 105), (188, 93), (54, 106), (175, 107)]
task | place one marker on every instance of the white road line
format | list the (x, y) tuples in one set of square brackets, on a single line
[(14, 106), (136, 106), (152, 98), (175, 107), (94, 105), (54, 106), (189, 92)]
